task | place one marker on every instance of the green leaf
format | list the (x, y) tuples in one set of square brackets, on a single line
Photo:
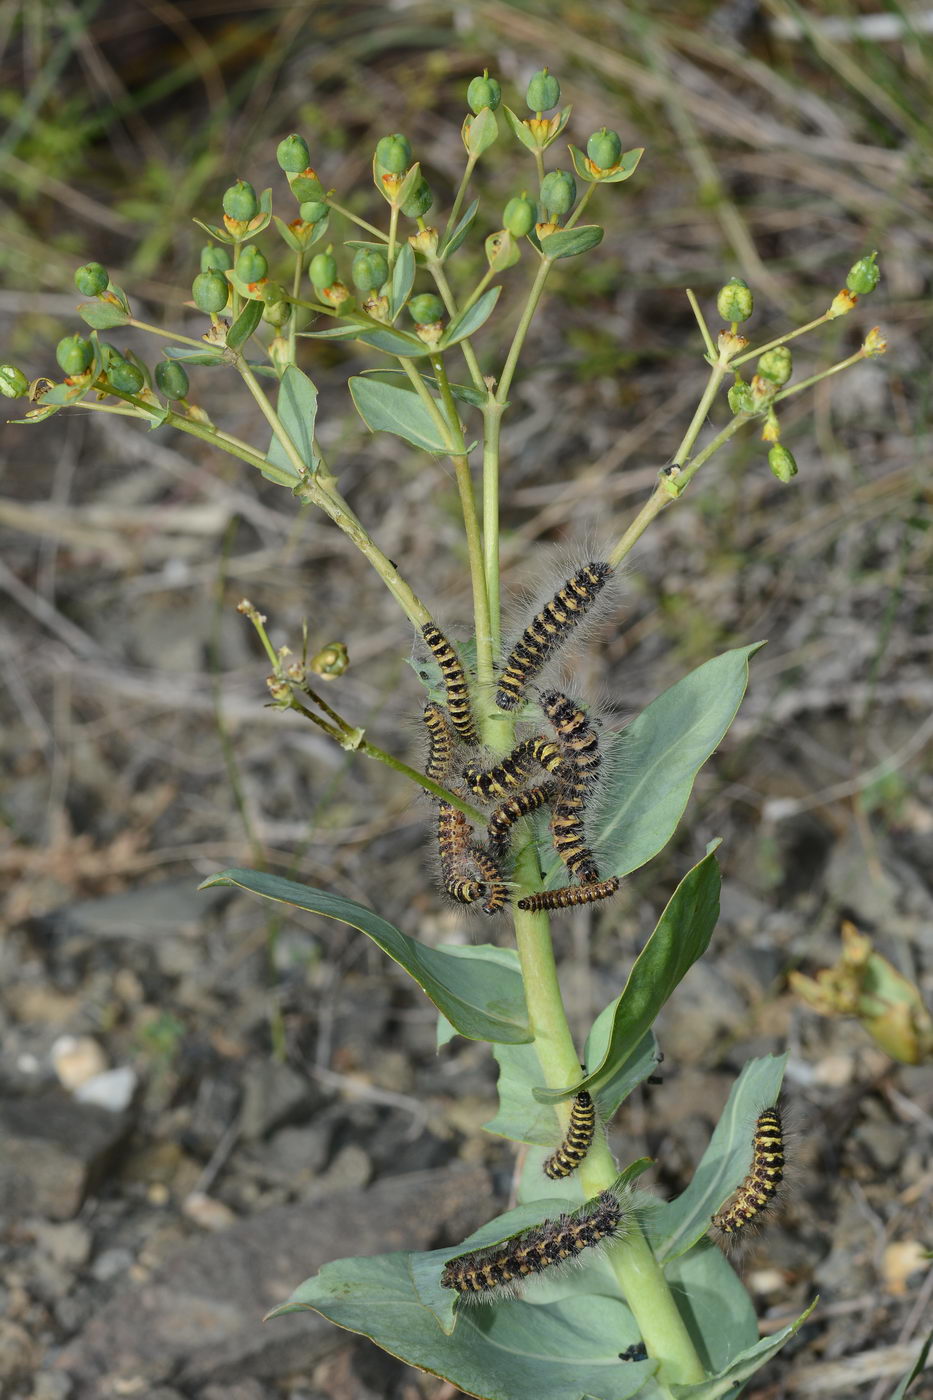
[(915, 1370), (464, 392), (725, 1162), (714, 1305), (190, 356), (653, 763), (393, 342), (403, 279), (519, 129), (245, 324), (569, 242), (481, 952), (634, 1069), (103, 315), (520, 1117), (482, 1001), (471, 319), (624, 170), (215, 231), (461, 231), (297, 410), (745, 1364), (388, 409), (681, 936), (483, 131)]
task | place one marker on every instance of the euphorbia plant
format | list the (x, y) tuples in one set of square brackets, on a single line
[(654, 1307)]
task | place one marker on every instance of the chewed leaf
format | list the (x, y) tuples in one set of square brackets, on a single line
[(483, 1001)]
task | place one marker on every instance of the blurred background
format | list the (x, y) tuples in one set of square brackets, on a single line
[(188, 1082)]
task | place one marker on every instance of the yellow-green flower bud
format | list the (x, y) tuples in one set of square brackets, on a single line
[(312, 211), (425, 241), (370, 270), (322, 270), (251, 265), (782, 463), (425, 309), (543, 92), (734, 302), (604, 148), (483, 92), (558, 192), (91, 279), (240, 202), (216, 258), (13, 383), (171, 379), (419, 201), (293, 155), (74, 354), (776, 365), (393, 153), (330, 662), (740, 398), (519, 216), (874, 343), (210, 291), (771, 428), (864, 276), (842, 303)]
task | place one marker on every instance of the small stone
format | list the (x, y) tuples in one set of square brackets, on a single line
[(112, 1090), (76, 1059), (53, 1152), (68, 1245), (110, 1263), (350, 1170), (273, 1094), (248, 1389), (17, 1355), (51, 1385), (207, 1212)]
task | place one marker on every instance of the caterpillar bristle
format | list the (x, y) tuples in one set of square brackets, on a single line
[(760, 1186), (455, 681), (547, 630), (570, 895), (578, 1140), (440, 742)]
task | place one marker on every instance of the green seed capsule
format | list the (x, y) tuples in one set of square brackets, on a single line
[(518, 216), (558, 192), (369, 270), (292, 154), (74, 354), (171, 379), (216, 258), (543, 91), (123, 374), (483, 92), (91, 279), (740, 398), (782, 463), (240, 202), (425, 309), (323, 271), (312, 211), (776, 365), (393, 154), (604, 148), (864, 276), (735, 301), (210, 291), (251, 265), (13, 383), (419, 201)]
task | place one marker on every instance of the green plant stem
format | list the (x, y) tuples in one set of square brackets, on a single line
[(393, 234), (783, 339), (443, 286), (166, 335), (296, 288), (430, 403), (461, 192), (521, 330), (704, 328), (816, 378), (584, 201), (492, 420), (355, 218), (716, 376)]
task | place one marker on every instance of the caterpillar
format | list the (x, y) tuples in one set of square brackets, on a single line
[(458, 691), (501, 1269), (577, 1142), (504, 818), (453, 843), (570, 844), (577, 736), (488, 866), (547, 630), (512, 770), (571, 895), (440, 742), (762, 1181)]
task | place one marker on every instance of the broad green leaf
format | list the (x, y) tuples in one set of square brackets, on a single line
[(569, 242), (189, 356), (483, 952), (918, 1366), (464, 392), (215, 231), (624, 170), (725, 1162), (480, 132), (651, 765), (748, 1361), (519, 129), (461, 231), (390, 409), (681, 936), (297, 410), (344, 332), (520, 1117), (403, 279), (634, 1070), (393, 342), (470, 320), (714, 1305), (245, 324), (102, 315), (483, 1001)]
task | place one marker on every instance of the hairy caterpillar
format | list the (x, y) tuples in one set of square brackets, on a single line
[(512, 770), (501, 1269), (458, 691), (547, 630), (458, 853), (571, 895), (578, 1140), (504, 817), (761, 1184), (577, 736), (570, 844), (440, 741), (487, 865)]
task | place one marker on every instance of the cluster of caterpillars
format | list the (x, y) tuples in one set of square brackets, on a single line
[(568, 760)]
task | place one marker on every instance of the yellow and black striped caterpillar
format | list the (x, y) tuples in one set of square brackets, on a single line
[(488, 866), (504, 817), (571, 895), (440, 741), (579, 743), (570, 842), (762, 1182), (547, 630), (458, 690), (511, 771), (579, 1138), (461, 859)]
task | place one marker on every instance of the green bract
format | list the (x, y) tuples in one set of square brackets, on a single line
[(91, 279), (74, 354), (292, 154), (210, 291), (393, 154), (240, 201), (483, 92), (734, 302), (864, 276), (171, 379), (543, 92), (558, 192)]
